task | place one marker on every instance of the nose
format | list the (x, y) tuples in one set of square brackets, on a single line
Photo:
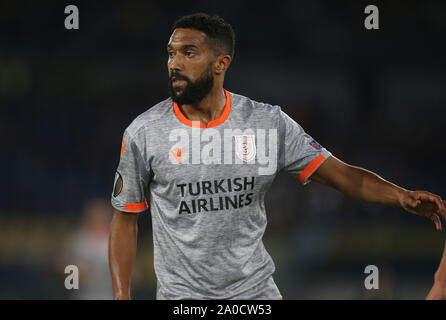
[(175, 63)]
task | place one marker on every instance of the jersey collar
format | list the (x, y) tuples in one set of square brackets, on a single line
[(224, 115)]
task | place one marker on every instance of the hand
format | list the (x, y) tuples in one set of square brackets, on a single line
[(424, 204)]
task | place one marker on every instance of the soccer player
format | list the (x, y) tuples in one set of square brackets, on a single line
[(202, 161)]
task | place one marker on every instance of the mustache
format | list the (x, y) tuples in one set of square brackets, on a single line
[(178, 76)]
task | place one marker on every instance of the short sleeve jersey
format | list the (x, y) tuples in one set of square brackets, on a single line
[(204, 187)]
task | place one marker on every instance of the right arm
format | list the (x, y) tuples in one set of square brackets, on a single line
[(122, 252)]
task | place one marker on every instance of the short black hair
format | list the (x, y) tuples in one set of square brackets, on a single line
[(220, 34)]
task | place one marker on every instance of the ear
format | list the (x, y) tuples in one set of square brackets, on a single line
[(222, 63)]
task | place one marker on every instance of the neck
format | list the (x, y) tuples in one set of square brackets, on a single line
[(208, 109)]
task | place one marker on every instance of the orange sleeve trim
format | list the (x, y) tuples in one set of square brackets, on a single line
[(136, 207), (222, 118), (312, 166)]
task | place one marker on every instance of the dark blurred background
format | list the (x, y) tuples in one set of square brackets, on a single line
[(374, 98)]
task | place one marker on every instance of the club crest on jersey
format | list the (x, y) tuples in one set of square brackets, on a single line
[(245, 147), (315, 145)]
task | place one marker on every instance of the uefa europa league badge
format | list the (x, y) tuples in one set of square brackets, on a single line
[(245, 147)]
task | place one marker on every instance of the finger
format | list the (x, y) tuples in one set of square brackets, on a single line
[(443, 211), (426, 196), (436, 219), (439, 203)]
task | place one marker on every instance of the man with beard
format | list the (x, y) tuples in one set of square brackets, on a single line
[(200, 253)]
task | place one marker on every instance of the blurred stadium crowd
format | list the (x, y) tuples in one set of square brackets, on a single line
[(375, 99)]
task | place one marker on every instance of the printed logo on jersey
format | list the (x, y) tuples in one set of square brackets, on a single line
[(315, 145), (216, 195), (118, 184), (245, 147), (177, 153), (123, 146)]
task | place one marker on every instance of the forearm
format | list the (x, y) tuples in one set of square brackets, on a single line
[(440, 275), (122, 252), (367, 186), (438, 290)]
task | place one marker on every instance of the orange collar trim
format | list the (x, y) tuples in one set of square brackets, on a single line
[(224, 115)]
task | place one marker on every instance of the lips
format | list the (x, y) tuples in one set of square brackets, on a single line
[(175, 80)]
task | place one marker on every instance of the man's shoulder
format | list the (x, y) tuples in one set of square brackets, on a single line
[(246, 104), (151, 116)]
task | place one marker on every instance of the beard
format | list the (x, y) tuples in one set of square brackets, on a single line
[(191, 92)]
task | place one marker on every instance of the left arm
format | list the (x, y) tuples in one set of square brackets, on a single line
[(364, 185)]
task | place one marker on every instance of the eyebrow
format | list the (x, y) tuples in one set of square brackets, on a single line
[(184, 46)]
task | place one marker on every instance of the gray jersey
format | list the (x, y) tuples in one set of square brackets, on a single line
[(205, 188)]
